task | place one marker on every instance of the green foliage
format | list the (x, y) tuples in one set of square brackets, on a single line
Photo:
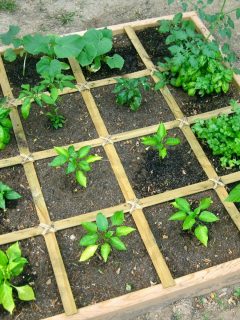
[(195, 64), (234, 195), (222, 134), (128, 91), (11, 265), (236, 293), (104, 234), (160, 141), (8, 5), (66, 17), (78, 162), (194, 219), (5, 125), (7, 193)]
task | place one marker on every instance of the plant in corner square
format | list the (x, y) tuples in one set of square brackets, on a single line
[(104, 235), (194, 219), (78, 162)]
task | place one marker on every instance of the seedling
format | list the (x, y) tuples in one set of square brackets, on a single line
[(5, 125), (66, 17), (222, 135), (194, 219), (234, 195), (160, 141), (11, 265), (128, 91), (78, 162), (7, 193), (104, 235)]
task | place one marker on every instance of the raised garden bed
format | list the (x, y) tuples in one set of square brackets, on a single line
[(160, 265)]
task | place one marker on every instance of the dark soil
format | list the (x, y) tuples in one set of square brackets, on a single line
[(122, 46), (195, 105), (21, 213), (65, 198), (118, 118), (154, 44), (39, 274), (78, 126), (11, 149), (15, 73), (183, 252), (149, 175), (96, 281)]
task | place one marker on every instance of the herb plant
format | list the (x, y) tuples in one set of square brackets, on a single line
[(195, 64), (5, 125), (222, 135), (78, 162), (160, 141), (11, 265), (194, 219), (234, 195), (104, 235), (128, 91), (7, 193)]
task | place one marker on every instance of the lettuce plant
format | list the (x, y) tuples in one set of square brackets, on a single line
[(160, 141), (7, 193), (11, 265), (5, 125), (194, 219), (78, 162), (104, 235)]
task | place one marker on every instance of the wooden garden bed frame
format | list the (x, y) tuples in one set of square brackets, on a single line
[(170, 289)]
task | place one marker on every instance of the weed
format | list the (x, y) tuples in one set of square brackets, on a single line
[(8, 5)]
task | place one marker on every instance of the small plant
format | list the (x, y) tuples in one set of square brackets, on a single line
[(160, 141), (128, 91), (7, 193), (222, 134), (11, 265), (66, 17), (5, 125), (78, 162), (234, 195), (8, 5), (104, 235), (194, 218), (236, 292)]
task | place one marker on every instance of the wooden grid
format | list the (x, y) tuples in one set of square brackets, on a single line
[(169, 288)]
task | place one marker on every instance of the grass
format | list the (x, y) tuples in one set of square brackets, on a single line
[(66, 17), (8, 5)]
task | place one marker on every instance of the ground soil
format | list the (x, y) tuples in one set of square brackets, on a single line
[(11, 149), (96, 281), (21, 213), (39, 274), (102, 190), (149, 175), (182, 250), (153, 110), (78, 126)]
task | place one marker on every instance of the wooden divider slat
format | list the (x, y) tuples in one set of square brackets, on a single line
[(138, 216)]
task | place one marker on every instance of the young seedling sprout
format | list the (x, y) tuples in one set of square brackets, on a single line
[(160, 141)]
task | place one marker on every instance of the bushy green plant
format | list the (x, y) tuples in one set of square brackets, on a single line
[(5, 125), (104, 235), (129, 93), (78, 162), (160, 141), (234, 195), (195, 64), (7, 193), (222, 135), (11, 265), (194, 219)]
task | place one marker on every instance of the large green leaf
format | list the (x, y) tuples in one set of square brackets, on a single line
[(124, 231), (61, 151), (84, 151), (87, 55), (16, 267), (13, 252), (178, 216), (105, 251), (12, 195), (201, 232), (205, 203), (117, 218), (115, 62), (6, 297), (10, 55), (8, 37), (58, 161), (88, 252), (117, 244), (25, 109), (69, 46), (25, 293), (36, 44), (234, 195), (102, 222), (161, 132), (81, 178), (182, 204), (172, 141), (89, 239), (188, 223), (90, 226), (3, 259), (207, 216)]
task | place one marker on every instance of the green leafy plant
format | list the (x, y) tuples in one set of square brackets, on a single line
[(236, 292), (77, 161), (194, 219), (11, 265), (160, 141), (234, 195), (195, 64), (8, 5), (104, 235), (5, 125), (66, 17), (129, 93), (222, 135), (7, 193)]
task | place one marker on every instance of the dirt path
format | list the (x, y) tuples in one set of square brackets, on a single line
[(68, 16)]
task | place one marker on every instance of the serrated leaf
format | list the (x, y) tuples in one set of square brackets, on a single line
[(105, 251), (201, 233), (88, 253), (102, 222), (117, 218)]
